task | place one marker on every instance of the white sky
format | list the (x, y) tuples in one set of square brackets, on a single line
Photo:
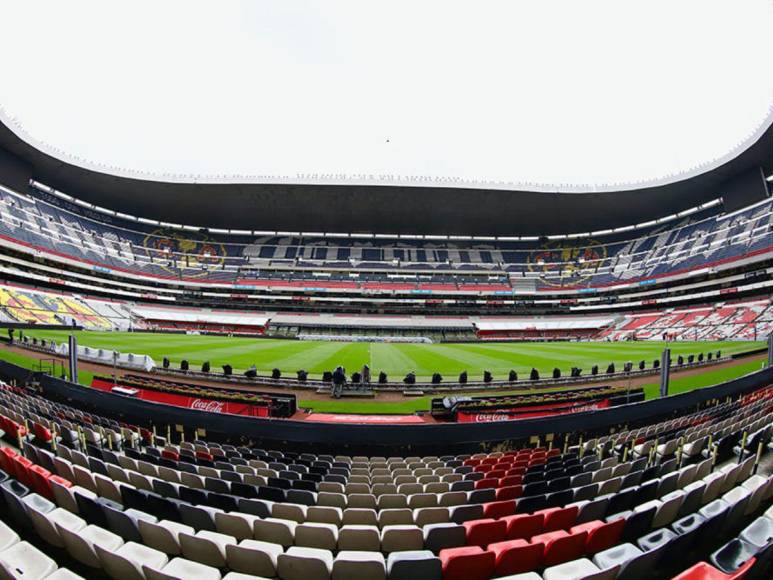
[(551, 93)]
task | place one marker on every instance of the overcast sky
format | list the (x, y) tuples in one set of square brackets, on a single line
[(543, 92)]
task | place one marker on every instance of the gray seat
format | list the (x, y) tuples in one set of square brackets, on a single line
[(124, 523), (412, 565), (441, 536), (593, 510), (758, 533), (464, 513), (655, 539)]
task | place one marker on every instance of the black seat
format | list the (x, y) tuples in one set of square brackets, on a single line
[(648, 491), (302, 497), (531, 503), (631, 479), (228, 503), (535, 488), (254, 507), (637, 524), (199, 518), (623, 500), (305, 484), (558, 484), (135, 498), (231, 476), (165, 488), (482, 495), (193, 496), (121, 523), (278, 482), (91, 509), (163, 508), (217, 485), (244, 490), (97, 466)]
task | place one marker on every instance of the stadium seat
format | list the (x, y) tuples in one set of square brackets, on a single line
[(467, 563)]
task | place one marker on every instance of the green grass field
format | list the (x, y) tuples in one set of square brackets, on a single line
[(449, 359), (395, 359)]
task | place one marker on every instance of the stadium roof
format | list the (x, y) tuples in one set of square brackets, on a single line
[(495, 120)]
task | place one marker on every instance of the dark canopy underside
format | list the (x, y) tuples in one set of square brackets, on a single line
[(380, 209)]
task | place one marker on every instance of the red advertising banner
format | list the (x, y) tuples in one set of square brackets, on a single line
[(181, 400), (515, 413)]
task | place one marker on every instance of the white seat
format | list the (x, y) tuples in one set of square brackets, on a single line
[(7, 536), (164, 535), (181, 568), (401, 538), (275, 531), (582, 569), (81, 544), (668, 509), (23, 560), (316, 535), (363, 538), (253, 557), (206, 547), (46, 525), (236, 524), (304, 564), (354, 565), (126, 563), (64, 574)]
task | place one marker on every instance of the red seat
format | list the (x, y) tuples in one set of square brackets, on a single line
[(523, 525), (471, 462), (146, 435), (467, 563), (516, 556), (499, 509), (40, 476), (167, 454), (601, 535), (520, 470), (21, 468), (553, 452), (6, 460), (559, 518), (205, 456), (561, 546), (41, 433), (487, 483), (510, 480), (485, 532), (483, 468), (490, 460), (704, 571), (58, 479), (509, 492), (496, 472)]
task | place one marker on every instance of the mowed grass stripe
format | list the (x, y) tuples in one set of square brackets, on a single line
[(409, 406), (396, 359)]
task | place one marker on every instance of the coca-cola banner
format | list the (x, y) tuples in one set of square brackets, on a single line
[(181, 400), (515, 413)]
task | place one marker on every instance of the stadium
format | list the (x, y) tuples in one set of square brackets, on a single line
[(391, 292)]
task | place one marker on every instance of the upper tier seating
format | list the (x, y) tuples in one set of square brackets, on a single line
[(135, 247), (106, 496)]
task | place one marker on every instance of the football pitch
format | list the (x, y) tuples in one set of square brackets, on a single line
[(395, 359)]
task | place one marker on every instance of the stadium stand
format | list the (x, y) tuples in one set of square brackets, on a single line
[(102, 495), (114, 244)]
